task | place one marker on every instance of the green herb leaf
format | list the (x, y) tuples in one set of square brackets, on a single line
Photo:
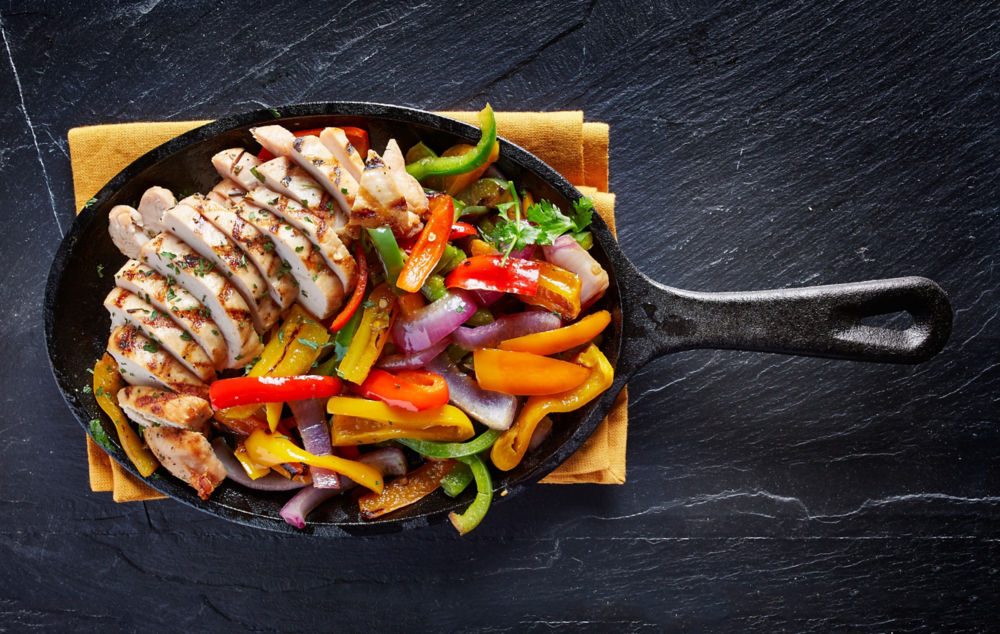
[(308, 342), (256, 174), (97, 432), (152, 347)]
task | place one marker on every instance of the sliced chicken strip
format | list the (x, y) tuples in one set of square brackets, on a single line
[(320, 291), (380, 202), (141, 361), (164, 294), (336, 141), (250, 240), (188, 456), (155, 202), (416, 199), (128, 308), (284, 177), (314, 157), (125, 227), (155, 406), (235, 164), (188, 222), (168, 255)]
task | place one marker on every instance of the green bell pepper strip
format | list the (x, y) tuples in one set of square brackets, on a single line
[(451, 165), (388, 252), (434, 288), (434, 449), (341, 341), (450, 259), (456, 480), (481, 317), (476, 511), (584, 238)]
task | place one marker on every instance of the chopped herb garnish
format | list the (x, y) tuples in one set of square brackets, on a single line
[(168, 255), (256, 174), (343, 190), (152, 347), (186, 336), (269, 246), (97, 432), (274, 113), (100, 270), (87, 389), (89, 203), (299, 249)]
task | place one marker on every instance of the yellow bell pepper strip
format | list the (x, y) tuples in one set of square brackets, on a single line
[(481, 247), (405, 490), (274, 449), (350, 431), (107, 382), (252, 469), (444, 417), (430, 245), (454, 184), (476, 511), (523, 373), (466, 162), (509, 448), (560, 339), (262, 389), (371, 336), (558, 290)]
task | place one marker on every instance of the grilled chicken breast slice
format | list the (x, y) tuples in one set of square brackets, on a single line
[(155, 202), (189, 222), (172, 257), (284, 177), (141, 361), (336, 141), (316, 224), (170, 298), (155, 406), (314, 157), (416, 199), (125, 227), (188, 456), (380, 202), (128, 308), (320, 290)]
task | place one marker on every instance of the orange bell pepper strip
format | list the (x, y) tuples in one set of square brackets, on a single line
[(523, 373), (107, 382), (405, 490), (359, 293), (558, 290), (350, 431), (358, 138), (410, 303), (270, 450), (371, 335), (412, 390), (461, 230), (430, 245), (509, 448), (560, 339), (442, 417), (481, 247), (266, 155)]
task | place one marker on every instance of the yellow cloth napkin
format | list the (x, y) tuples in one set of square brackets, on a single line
[(576, 149)]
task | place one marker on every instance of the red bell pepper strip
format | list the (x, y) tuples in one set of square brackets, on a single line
[(359, 293), (358, 138), (412, 390), (430, 246), (245, 390), (492, 273), (461, 230), (265, 154)]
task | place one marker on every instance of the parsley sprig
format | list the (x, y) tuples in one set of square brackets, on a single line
[(545, 223)]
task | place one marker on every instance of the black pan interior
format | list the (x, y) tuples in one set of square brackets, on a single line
[(77, 326)]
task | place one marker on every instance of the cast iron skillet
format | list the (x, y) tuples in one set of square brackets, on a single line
[(649, 319)]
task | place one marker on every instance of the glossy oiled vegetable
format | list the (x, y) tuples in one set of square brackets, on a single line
[(107, 382), (405, 490), (272, 449), (371, 335), (523, 373), (560, 339)]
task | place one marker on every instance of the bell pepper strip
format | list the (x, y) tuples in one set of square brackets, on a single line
[(476, 511), (359, 293), (432, 449), (266, 155), (388, 252), (341, 343), (560, 339), (558, 290), (410, 303), (458, 182), (441, 416), (350, 431), (107, 382), (430, 245), (481, 247), (405, 490), (457, 480), (274, 449), (240, 425), (486, 193), (509, 448), (358, 138), (461, 230), (466, 162), (418, 152), (491, 273), (252, 469), (523, 373), (371, 335), (244, 390), (482, 317), (434, 288), (450, 259), (412, 390)]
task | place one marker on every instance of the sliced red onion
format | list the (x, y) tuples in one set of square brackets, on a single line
[(235, 472), (526, 253), (494, 172), (485, 298), (310, 417), (567, 253), (541, 432), (388, 460), (415, 360), (433, 322), (493, 409), (506, 327)]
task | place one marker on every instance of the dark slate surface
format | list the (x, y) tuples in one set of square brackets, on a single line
[(754, 145)]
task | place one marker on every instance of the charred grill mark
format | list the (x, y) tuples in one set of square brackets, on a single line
[(297, 144)]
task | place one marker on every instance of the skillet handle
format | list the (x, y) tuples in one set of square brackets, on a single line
[(820, 321)]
